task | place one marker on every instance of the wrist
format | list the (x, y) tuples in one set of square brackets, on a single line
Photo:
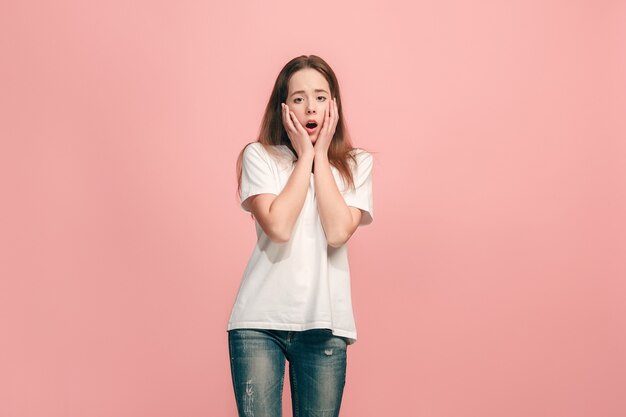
[(322, 154), (307, 156)]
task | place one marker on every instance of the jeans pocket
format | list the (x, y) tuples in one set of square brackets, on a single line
[(334, 338)]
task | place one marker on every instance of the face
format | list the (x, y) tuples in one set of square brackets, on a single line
[(308, 97)]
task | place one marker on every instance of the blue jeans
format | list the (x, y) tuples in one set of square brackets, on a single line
[(317, 371)]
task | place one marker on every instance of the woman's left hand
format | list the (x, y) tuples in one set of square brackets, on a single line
[(331, 117)]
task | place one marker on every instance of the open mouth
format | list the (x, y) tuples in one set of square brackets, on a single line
[(311, 125)]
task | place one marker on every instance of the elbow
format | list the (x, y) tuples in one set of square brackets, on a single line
[(279, 236), (337, 241), (336, 244), (278, 239)]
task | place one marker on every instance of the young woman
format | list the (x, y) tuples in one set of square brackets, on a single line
[(308, 190)]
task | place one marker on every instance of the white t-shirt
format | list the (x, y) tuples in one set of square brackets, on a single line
[(304, 283)]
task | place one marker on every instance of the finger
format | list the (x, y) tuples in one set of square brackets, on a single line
[(328, 117), (323, 125), (333, 119), (296, 123), (328, 121), (293, 118), (287, 119)]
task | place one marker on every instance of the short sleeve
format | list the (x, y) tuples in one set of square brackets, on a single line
[(362, 196), (257, 175)]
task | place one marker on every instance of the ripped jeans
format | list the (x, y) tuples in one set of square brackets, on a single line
[(317, 371)]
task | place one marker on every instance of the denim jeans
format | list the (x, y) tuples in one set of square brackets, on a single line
[(317, 371)]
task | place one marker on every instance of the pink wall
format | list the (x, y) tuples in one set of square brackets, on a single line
[(491, 283)]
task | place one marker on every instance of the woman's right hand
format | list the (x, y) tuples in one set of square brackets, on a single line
[(298, 135)]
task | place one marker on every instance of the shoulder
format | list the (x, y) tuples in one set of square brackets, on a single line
[(362, 157), (253, 148), (276, 156), (258, 148), (360, 153), (255, 151)]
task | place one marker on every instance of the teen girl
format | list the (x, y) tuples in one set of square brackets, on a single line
[(308, 190)]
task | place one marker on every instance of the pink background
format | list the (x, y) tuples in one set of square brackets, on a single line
[(491, 283)]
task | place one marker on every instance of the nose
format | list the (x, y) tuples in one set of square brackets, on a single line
[(310, 108)]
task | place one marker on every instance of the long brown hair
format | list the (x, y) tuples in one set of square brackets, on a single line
[(273, 133)]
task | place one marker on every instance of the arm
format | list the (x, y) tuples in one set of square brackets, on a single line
[(277, 214), (338, 219)]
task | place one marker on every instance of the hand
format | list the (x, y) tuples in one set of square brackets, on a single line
[(298, 135), (329, 124)]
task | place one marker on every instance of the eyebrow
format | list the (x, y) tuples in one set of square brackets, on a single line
[(317, 90)]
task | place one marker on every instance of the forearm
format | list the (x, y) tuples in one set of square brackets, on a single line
[(286, 207), (334, 212)]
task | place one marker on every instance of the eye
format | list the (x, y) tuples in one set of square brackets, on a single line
[(324, 98), (295, 100)]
